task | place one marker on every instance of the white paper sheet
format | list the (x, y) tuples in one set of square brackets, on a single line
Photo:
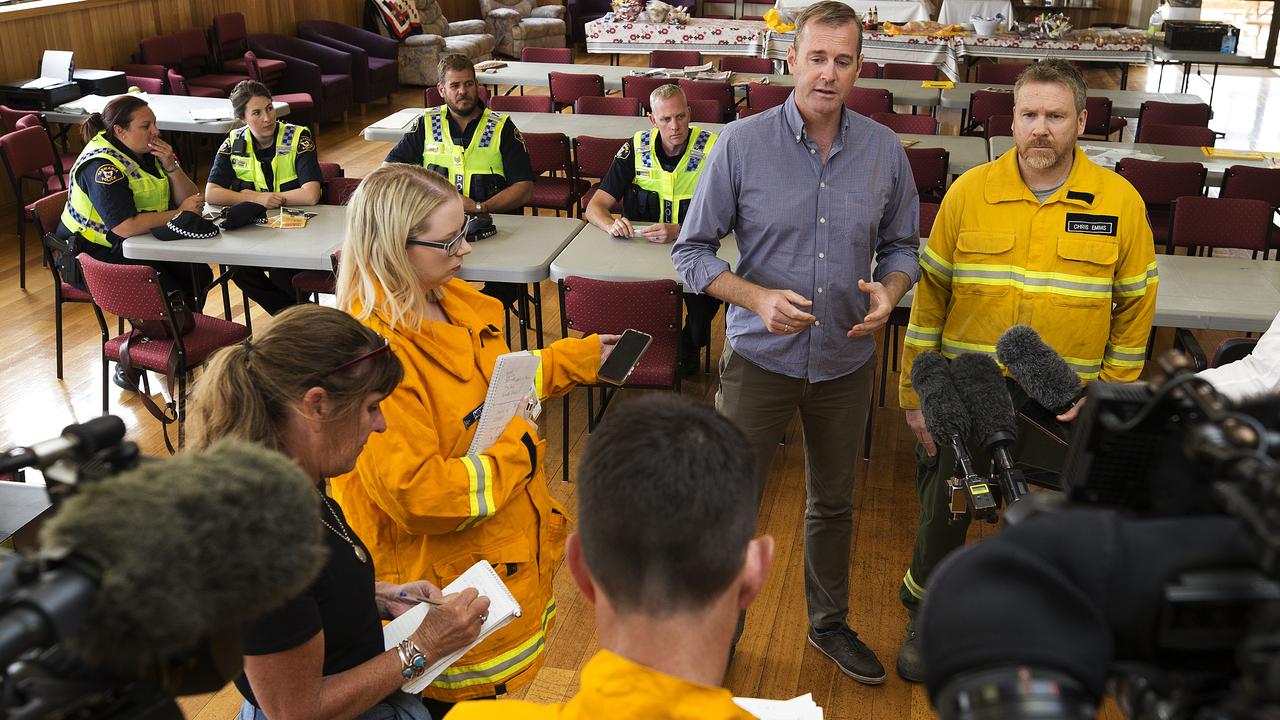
[(56, 64), (799, 708)]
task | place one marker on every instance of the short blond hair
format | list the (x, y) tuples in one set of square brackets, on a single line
[(666, 91), (1055, 70), (830, 13), (391, 205)]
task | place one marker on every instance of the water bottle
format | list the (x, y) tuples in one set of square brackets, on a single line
[(1155, 25)]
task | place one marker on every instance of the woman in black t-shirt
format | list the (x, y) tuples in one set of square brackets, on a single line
[(310, 386)]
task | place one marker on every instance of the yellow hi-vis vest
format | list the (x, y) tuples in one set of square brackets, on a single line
[(150, 193), (284, 164), (483, 156), (672, 187)]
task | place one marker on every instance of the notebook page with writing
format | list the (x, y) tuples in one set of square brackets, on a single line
[(503, 608), (510, 386)]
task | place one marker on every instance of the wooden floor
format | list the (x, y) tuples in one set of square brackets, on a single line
[(773, 658)]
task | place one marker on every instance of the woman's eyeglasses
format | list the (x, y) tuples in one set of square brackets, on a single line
[(450, 248), (383, 348)]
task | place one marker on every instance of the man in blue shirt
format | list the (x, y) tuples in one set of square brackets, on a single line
[(813, 193)]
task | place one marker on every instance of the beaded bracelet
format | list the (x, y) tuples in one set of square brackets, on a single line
[(414, 662)]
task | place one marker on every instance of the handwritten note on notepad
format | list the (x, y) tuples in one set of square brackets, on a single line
[(503, 608), (509, 389), (800, 708)]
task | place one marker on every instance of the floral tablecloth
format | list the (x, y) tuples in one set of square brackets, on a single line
[(713, 37)]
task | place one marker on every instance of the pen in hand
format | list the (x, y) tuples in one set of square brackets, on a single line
[(409, 597)]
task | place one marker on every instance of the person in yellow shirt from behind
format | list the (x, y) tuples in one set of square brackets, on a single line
[(664, 552)]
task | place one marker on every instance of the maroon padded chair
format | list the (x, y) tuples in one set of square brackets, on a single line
[(302, 109), (869, 70), (1188, 135), (521, 103), (910, 124), (674, 58), (1246, 181), (929, 168), (909, 71), (375, 67), (1198, 223), (601, 306), (763, 97), (705, 111), (566, 88), (928, 213), (1160, 183), (30, 156), (592, 157), (34, 120), (230, 42), (999, 73), (133, 291), (314, 283), (47, 211), (187, 53), (746, 65), (431, 96), (547, 55), (178, 85), (612, 105), (982, 105), (720, 92), (998, 126), (555, 185), (641, 88), (9, 118), (1099, 120), (149, 85), (1163, 113), (866, 101), (311, 68)]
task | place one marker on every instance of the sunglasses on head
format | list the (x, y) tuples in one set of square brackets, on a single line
[(450, 248), (383, 348)]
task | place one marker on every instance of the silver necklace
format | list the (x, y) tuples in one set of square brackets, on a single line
[(341, 531)]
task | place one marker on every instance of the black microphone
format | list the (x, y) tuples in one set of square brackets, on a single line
[(79, 441), (986, 397), (148, 565), (1039, 369), (947, 420)]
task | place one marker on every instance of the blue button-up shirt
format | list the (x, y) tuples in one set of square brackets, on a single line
[(805, 225)]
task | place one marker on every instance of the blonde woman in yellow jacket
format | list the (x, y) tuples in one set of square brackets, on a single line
[(425, 507)]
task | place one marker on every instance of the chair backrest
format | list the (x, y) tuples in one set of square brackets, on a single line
[(195, 51), (746, 65), (26, 153), (640, 88), (9, 118), (612, 105), (674, 58), (566, 88), (30, 121), (1098, 120), (705, 111), (1246, 181), (1163, 113), (1000, 73), (650, 306), (869, 70), (547, 55), (592, 156), (331, 170), (548, 152), (160, 50), (431, 96), (985, 103), (251, 66), (521, 103), (1189, 135), (913, 124), (48, 210), (1198, 222), (338, 191), (128, 291), (720, 92), (1160, 183), (763, 97), (229, 34), (869, 100), (998, 126), (151, 86), (177, 83), (1233, 349), (929, 168), (909, 71)]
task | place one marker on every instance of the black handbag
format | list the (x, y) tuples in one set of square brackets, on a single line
[(183, 321)]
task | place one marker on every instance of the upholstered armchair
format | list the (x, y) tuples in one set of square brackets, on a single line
[(519, 24), (420, 53)]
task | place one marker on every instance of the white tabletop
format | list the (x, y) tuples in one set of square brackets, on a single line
[(959, 11), (522, 250), (1204, 57), (1124, 103), (173, 112), (1167, 153), (306, 248), (1217, 293), (598, 255)]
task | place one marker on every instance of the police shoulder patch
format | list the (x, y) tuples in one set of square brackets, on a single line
[(515, 131), (225, 147), (108, 174), (305, 143), (624, 152)]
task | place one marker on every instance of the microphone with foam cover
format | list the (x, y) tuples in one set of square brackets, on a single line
[(982, 388), (184, 550), (947, 420), (1039, 369)]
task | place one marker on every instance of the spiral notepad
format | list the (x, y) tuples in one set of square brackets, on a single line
[(503, 608)]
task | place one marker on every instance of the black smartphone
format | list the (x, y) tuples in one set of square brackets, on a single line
[(630, 348)]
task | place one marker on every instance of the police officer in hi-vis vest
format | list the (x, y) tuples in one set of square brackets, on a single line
[(126, 182), (654, 174), (271, 163), (480, 151)]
